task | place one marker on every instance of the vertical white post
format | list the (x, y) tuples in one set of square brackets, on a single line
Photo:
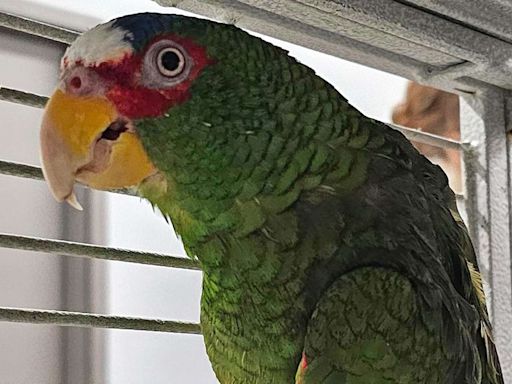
[(487, 168), (83, 284)]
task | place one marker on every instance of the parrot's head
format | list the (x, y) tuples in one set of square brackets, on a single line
[(122, 76), (203, 119)]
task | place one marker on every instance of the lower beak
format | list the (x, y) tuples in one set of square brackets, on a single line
[(84, 139)]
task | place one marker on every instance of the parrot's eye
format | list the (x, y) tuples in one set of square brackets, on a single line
[(165, 64), (171, 62)]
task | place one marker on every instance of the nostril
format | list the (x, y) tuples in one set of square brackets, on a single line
[(75, 82)]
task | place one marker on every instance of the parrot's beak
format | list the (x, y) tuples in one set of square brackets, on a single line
[(84, 139)]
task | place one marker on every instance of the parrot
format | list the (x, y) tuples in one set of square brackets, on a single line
[(332, 251)]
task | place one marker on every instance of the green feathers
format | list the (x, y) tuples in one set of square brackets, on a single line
[(319, 230)]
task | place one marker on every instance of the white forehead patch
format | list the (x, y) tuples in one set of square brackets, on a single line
[(100, 44)]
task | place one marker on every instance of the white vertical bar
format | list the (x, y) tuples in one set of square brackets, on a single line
[(483, 124), (83, 284)]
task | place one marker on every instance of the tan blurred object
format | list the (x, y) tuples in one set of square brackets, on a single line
[(433, 111)]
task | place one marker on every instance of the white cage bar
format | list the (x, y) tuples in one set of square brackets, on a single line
[(450, 45)]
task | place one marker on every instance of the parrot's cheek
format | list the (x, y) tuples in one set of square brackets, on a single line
[(84, 139), (116, 164)]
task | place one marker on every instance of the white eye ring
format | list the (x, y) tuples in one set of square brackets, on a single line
[(176, 61), (158, 74)]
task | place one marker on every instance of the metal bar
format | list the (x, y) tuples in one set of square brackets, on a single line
[(314, 35), (31, 172), (418, 26), (69, 248), (317, 25), (429, 138), (500, 210), (331, 22), (37, 28), (451, 72), (87, 320), (20, 170), (483, 123), (494, 20), (20, 97)]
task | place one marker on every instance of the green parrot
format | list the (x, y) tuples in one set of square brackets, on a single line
[(332, 251)]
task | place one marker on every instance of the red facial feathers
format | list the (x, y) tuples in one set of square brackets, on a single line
[(132, 98)]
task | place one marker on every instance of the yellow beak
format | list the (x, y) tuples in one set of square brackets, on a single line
[(74, 147)]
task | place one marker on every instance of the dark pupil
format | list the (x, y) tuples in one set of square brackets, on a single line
[(170, 60)]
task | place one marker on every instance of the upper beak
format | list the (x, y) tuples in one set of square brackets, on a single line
[(74, 146)]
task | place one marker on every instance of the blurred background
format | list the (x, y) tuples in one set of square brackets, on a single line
[(46, 354)]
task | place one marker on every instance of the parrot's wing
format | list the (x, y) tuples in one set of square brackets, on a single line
[(369, 328)]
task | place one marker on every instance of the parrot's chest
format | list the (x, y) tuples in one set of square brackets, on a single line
[(253, 334)]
